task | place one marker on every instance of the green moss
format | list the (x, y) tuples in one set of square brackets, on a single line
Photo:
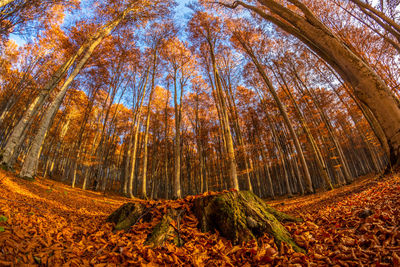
[(280, 216), (160, 232), (232, 220), (4, 167), (280, 234), (125, 224), (126, 215), (272, 218), (242, 216), (28, 178)]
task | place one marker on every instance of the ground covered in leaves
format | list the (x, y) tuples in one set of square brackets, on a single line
[(48, 223)]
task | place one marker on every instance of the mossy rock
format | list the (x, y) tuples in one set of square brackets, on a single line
[(242, 216), (163, 232), (127, 215)]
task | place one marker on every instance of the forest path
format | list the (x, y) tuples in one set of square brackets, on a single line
[(50, 223)]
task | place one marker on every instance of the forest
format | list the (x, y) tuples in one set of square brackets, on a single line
[(200, 133)]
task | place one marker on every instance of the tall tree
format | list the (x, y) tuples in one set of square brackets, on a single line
[(182, 63), (367, 85), (244, 40), (206, 30), (30, 164)]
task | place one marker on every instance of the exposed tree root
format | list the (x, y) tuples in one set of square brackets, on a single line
[(238, 216), (242, 216)]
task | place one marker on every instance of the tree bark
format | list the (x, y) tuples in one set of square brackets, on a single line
[(317, 153), (146, 134), (127, 215), (242, 216), (237, 216), (85, 51), (177, 144), (388, 24), (282, 109), (226, 128), (367, 86)]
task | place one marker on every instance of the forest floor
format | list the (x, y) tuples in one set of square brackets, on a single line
[(48, 223)]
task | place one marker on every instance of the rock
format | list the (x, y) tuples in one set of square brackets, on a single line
[(127, 215), (163, 232)]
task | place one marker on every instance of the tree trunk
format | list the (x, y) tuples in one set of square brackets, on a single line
[(282, 109), (85, 51), (127, 215), (241, 217), (317, 153), (133, 143), (177, 193), (226, 129), (29, 167), (368, 87), (237, 216), (238, 133), (388, 24), (146, 134)]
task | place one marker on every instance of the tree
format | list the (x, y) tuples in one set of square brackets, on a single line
[(205, 29), (388, 24), (367, 86), (182, 63), (244, 38), (22, 17), (85, 52), (155, 39)]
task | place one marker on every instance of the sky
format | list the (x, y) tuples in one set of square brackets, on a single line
[(181, 18), (182, 10)]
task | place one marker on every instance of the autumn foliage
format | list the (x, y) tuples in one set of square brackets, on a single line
[(161, 103), (49, 223)]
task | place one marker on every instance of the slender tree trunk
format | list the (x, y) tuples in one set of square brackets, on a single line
[(85, 51), (134, 137), (29, 167), (143, 191), (132, 172), (166, 128), (235, 119), (177, 145), (317, 153), (306, 177), (227, 131), (380, 18), (332, 134), (368, 87), (278, 143), (146, 134)]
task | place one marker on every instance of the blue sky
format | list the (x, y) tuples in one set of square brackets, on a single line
[(181, 17), (182, 10)]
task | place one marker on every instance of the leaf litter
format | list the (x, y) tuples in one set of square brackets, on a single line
[(356, 225)]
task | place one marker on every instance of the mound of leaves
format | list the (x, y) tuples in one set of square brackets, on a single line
[(47, 223)]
